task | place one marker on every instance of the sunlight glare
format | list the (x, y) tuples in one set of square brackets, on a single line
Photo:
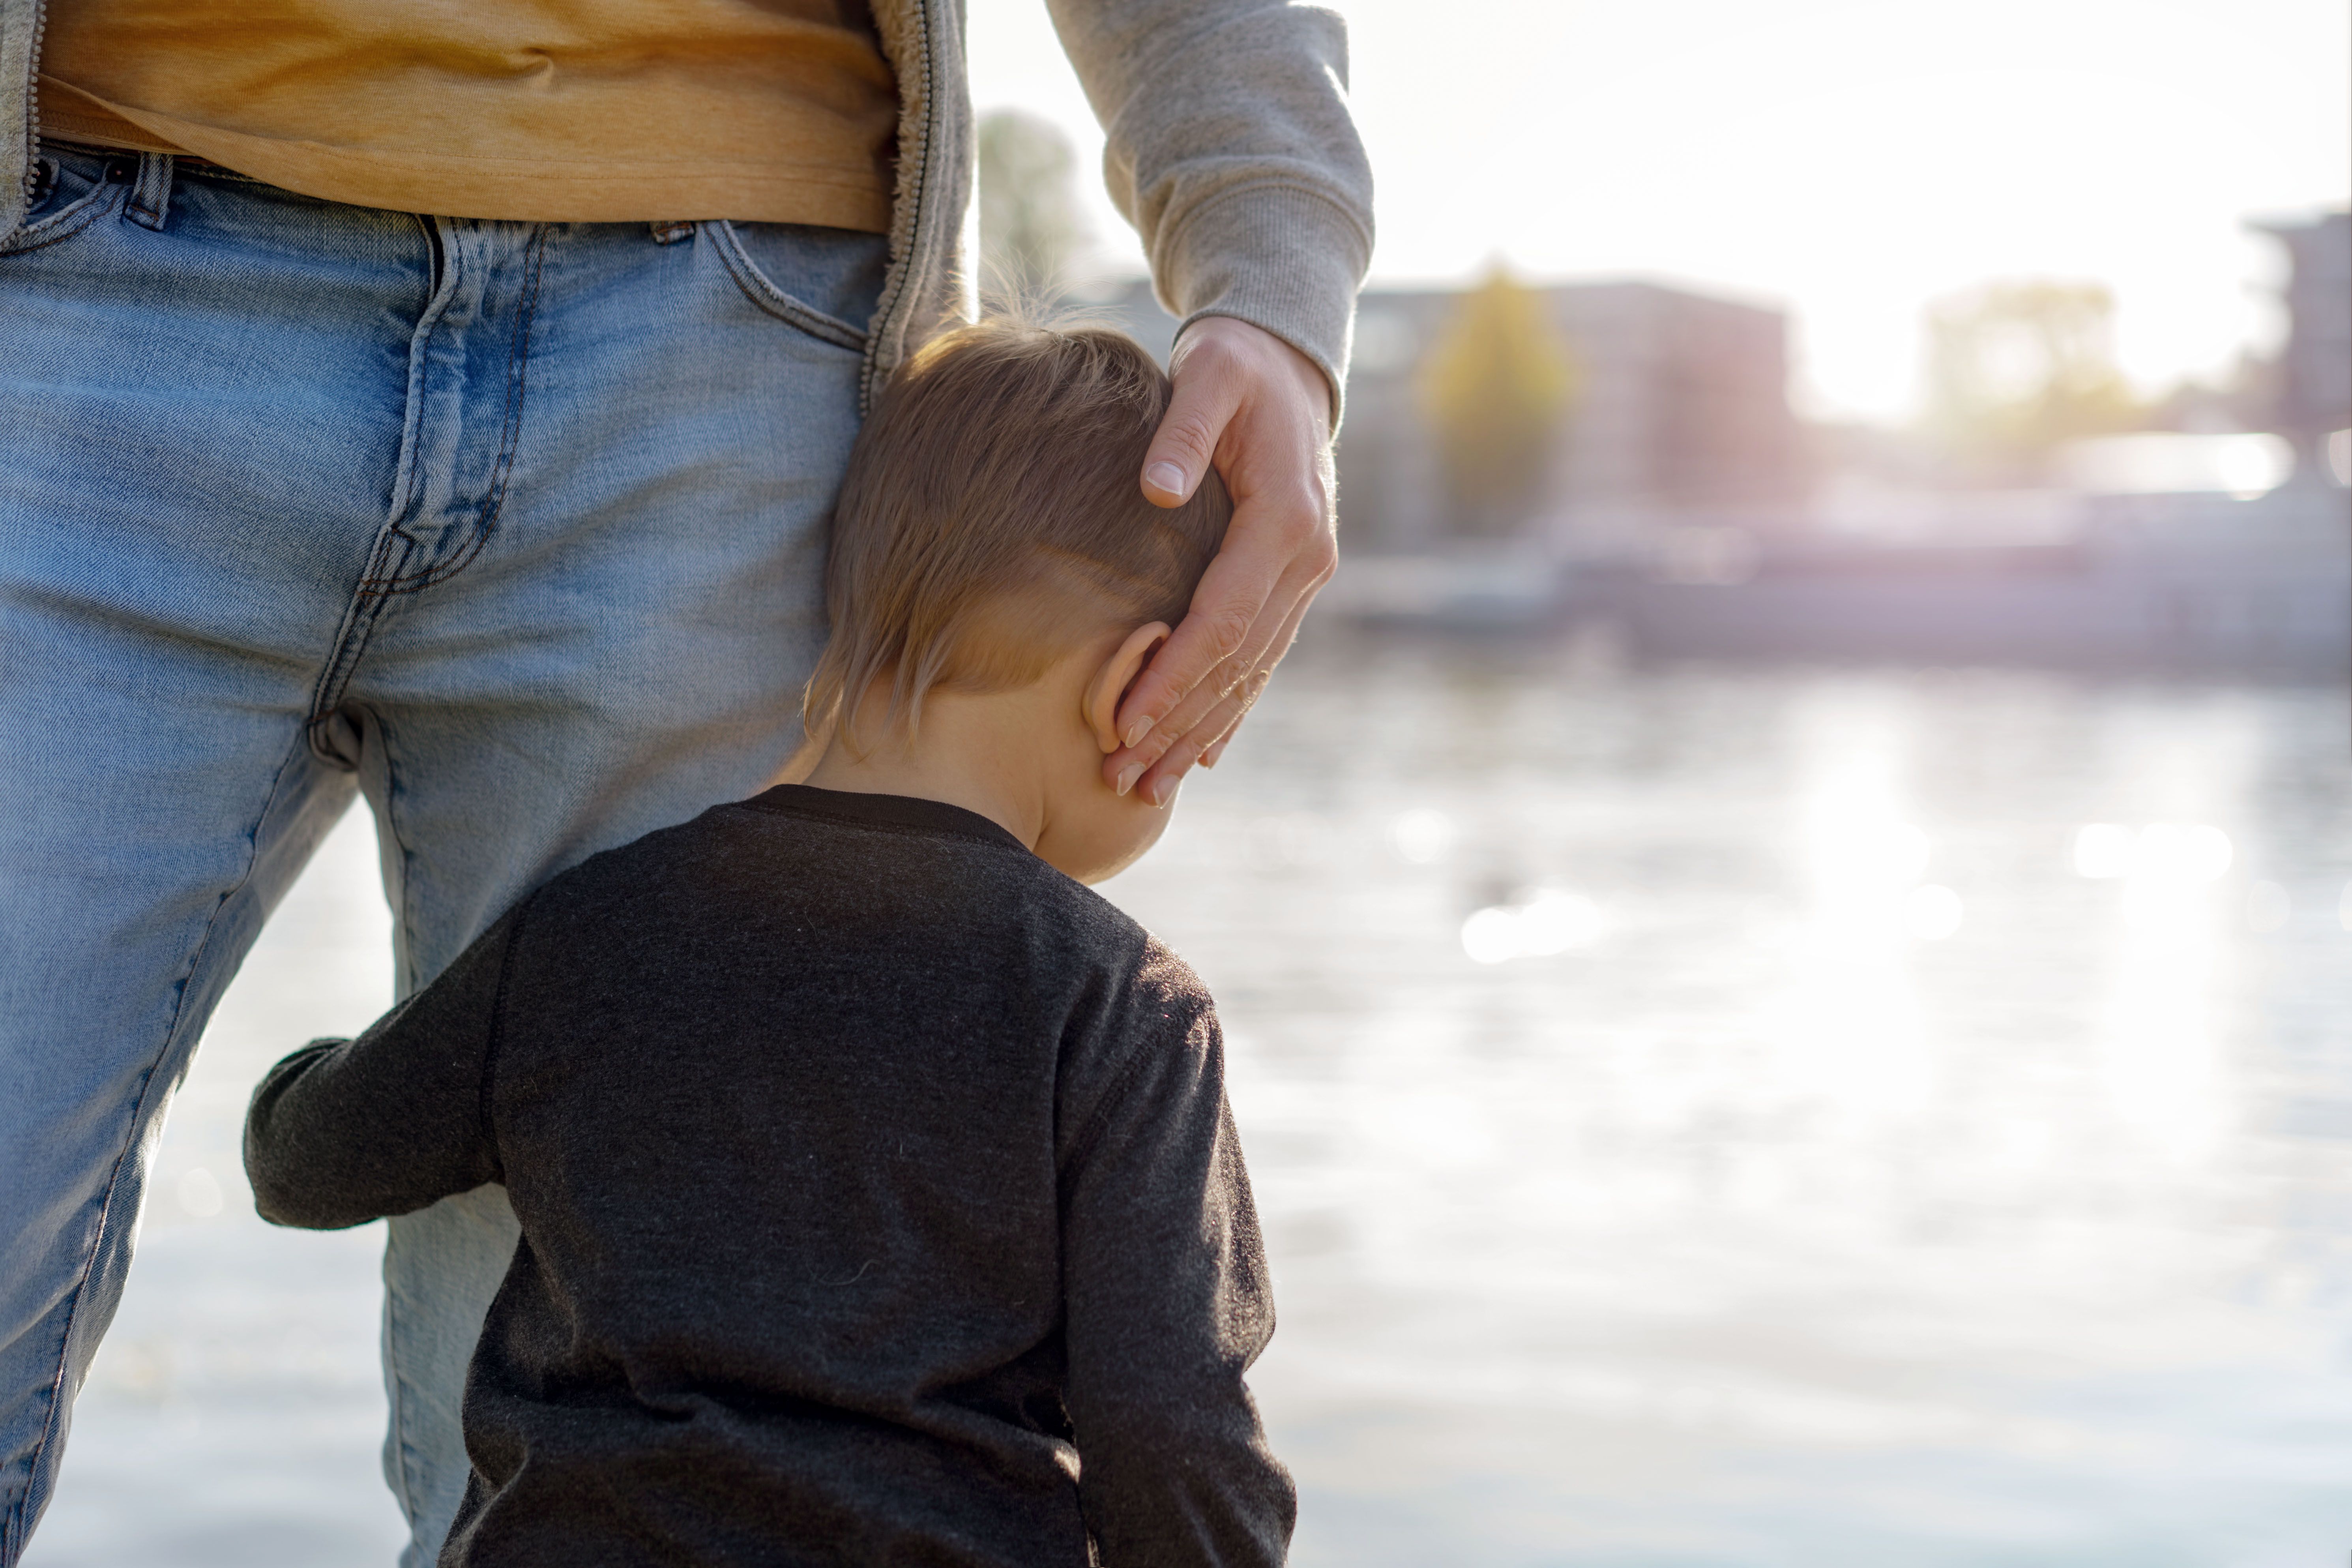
[(1548, 923), (1422, 836), (200, 1193)]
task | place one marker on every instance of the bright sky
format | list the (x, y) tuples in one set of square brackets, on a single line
[(1850, 162)]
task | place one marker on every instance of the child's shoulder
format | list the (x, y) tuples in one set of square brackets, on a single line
[(1118, 945), (851, 868), (1134, 983)]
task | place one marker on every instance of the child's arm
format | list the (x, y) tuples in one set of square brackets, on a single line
[(344, 1132), (1167, 1304)]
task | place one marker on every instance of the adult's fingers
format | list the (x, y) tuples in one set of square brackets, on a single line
[(1258, 410), (1126, 767), (1182, 450), (1268, 636), (1215, 720), (1260, 549), (1159, 783)]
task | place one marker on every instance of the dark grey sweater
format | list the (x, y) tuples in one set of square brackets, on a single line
[(879, 1203)]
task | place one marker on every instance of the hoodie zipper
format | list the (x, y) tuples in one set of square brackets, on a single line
[(30, 175), (896, 291)]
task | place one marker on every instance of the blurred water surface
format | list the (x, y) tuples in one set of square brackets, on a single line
[(1700, 1117)]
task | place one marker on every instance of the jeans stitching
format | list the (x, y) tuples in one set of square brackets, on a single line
[(17, 1530), (151, 193), (76, 218), (359, 614), (382, 578), (405, 982), (351, 639), (397, 1384), (761, 291), (510, 437), (404, 1453)]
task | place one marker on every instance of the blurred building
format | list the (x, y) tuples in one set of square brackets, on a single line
[(1681, 410), (2315, 372), (1681, 414)]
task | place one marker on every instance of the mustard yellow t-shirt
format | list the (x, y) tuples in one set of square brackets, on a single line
[(584, 111)]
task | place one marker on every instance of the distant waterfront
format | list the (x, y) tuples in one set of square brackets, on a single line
[(1824, 1171)]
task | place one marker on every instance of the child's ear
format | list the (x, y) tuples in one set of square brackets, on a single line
[(1108, 687)]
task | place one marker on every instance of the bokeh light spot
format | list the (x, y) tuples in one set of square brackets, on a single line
[(1549, 922), (1422, 836), (200, 1193)]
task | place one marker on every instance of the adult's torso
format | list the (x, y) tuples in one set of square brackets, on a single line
[(599, 111)]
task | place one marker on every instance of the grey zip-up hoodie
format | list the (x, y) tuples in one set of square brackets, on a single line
[(1230, 150)]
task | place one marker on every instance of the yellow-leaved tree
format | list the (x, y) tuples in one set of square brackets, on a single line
[(1496, 386)]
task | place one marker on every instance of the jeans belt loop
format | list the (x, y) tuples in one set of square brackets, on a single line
[(669, 231), (151, 194)]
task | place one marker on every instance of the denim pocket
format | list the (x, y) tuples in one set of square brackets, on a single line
[(70, 192), (825, 281)]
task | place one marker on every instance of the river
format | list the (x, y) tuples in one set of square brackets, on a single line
[(1702, 1117)]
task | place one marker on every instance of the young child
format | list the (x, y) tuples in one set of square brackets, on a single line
[(880, 1199)]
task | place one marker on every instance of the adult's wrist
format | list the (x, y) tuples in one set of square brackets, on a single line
[(1286, 260), (1251, 340)]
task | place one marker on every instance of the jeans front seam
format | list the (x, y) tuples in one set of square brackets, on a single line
[(510, 437), (395, 544), (352, 637), (17, 1532), (402, 1454), (405, 982)]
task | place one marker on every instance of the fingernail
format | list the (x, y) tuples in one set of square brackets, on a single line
[(1137, 731), (1128, 775), (1162, 790), (1166, 476)]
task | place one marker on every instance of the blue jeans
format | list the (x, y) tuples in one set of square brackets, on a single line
[(517, 530)]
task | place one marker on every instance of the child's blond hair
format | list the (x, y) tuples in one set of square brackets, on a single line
[(991, 520)]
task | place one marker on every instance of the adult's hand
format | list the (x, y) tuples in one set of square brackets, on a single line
[(1260, 411)]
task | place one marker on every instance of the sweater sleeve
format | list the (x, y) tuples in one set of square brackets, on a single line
[(1167, 1304), (1232, 151), (344, 1132)]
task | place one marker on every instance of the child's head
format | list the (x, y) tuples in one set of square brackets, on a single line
[(990, 535)]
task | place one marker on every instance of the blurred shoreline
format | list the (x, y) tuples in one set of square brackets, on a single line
[(2162, 584)]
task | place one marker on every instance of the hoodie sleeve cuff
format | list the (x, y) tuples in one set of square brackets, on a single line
[(1281, 257)]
